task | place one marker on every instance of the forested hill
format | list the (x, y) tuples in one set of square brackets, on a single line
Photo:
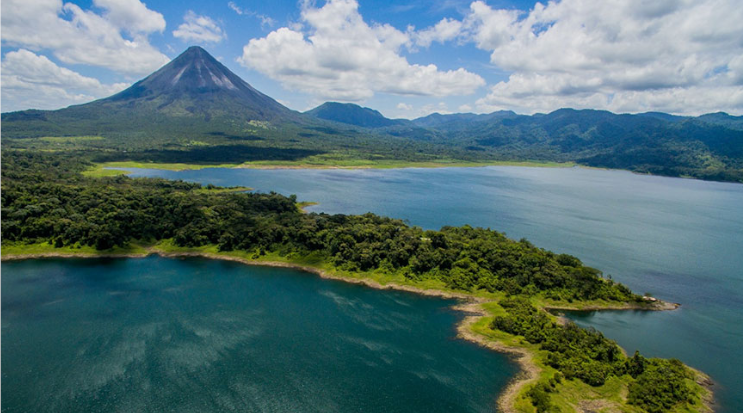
[(195, 110), (353, 115), (707, 147)]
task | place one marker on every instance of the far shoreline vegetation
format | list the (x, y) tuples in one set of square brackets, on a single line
[(50, 209), (105, 169), (360, 158), (99, 170)]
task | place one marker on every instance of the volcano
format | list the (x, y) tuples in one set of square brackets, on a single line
[(196, 83), (192, 95)]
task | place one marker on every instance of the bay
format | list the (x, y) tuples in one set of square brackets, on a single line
[(197, 335), (679, 239)]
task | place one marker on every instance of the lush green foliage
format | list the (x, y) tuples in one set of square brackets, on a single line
[(539, 394), (585, 354), (708, 147), (576, 352), (44, 198), (660, 384), (352, 114)]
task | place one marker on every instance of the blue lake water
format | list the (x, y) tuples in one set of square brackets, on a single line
[(681, 240), (197, 335)]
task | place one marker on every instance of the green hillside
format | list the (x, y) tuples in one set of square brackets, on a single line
[(195, 110)]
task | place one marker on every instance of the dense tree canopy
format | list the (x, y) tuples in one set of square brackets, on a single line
[(586, 355), (45, 198)]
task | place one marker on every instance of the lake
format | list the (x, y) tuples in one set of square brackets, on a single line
[(679, 239), (196, 335)]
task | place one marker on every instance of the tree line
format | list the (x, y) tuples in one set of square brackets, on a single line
[(45, 199), (658, 385)]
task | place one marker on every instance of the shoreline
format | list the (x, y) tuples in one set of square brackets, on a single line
[(119, 168), (470, 305), (410, 165), (275, 264), (104, 170), (528, 369)]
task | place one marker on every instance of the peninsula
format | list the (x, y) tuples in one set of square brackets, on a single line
[(50, 209)]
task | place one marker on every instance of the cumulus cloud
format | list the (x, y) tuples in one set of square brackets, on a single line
[(197, 28), (430, 108), (629, 55), (132, 15), (33, 81), (334, 54), (77, 36), (445, 30)]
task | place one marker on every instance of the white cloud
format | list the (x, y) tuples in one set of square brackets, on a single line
[(265, 20), (334, 54), (199, 28), (237, 9), (132, 15), (77, 36), (33, 81), (407, 111), (443, 31), (430, 108), (626, 56)]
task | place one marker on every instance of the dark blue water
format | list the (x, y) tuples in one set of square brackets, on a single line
[(196, 335), (681, 240)]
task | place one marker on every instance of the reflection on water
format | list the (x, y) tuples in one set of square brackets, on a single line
[(194, 335), (678, 239)]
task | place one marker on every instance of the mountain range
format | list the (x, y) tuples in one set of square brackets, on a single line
[(194, 109)]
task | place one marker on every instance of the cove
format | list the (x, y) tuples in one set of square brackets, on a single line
[(194, 335), (679, 239)]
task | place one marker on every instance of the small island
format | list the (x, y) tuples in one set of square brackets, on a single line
[(507, 287)]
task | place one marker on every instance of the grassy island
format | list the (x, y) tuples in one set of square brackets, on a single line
[(49, 208)]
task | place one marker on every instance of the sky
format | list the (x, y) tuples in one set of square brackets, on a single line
[(404, 58)]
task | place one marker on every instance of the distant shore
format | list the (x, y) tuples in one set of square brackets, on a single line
[(471, 305), (112, 168), (117, 168)]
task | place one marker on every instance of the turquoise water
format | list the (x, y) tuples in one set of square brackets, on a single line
[(197, 335), (681, 240)]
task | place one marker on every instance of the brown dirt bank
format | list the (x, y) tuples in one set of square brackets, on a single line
[(529, 370)]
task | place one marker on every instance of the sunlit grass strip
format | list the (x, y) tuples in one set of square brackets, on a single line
[(103, 169), (70, 139), (109, 168)]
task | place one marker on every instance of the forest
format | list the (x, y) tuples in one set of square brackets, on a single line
[(46, 199), (585, 354)]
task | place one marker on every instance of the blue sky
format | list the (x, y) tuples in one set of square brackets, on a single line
[(404, 58)]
